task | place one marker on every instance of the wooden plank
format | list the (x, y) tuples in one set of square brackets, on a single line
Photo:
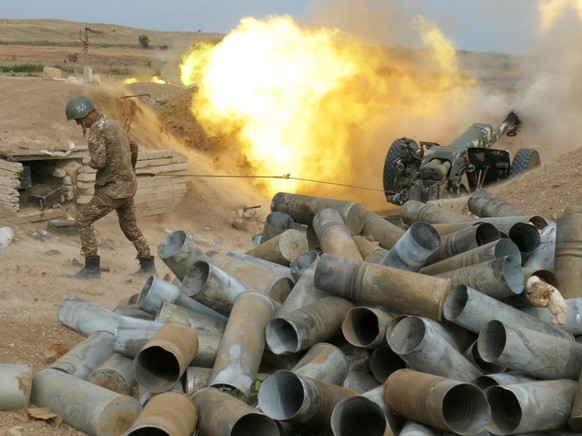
[(180, 169), (16, 156), (30, 215), (168, 190), (179, 158), (153, 162), (154, 154), (155, 197)]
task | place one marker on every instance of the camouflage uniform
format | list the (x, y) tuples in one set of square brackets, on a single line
[(114, 156)]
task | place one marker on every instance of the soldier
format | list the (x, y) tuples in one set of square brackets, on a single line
[(114, 156)]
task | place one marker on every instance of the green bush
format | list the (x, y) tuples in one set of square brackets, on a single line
[(22, 68), (144, 41)]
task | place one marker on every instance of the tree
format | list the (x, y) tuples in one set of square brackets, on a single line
[(144, 41)]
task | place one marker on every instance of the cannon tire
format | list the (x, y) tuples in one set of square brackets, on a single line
[(391, 175), (524, 160)]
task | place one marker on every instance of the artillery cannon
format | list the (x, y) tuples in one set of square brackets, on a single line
[(428, 171)]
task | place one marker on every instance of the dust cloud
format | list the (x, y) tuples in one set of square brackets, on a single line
[(409, 85), (544, 36)]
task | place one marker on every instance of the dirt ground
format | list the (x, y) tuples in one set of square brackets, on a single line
[(34, 269)]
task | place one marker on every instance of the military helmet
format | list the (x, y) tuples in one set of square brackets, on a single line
[(78, 107)]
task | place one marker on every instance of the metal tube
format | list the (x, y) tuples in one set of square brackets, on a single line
[(85, 317), (366, 326), (254, 277), (86, 356), (358, 358), (502, 378), (132, 334), (499, 278), (459, 337), (423, 349), (384, 361), (360, 381), (333, 234), (413, 428), (302, 263), (533, 406), (464, 240), (489, 251), (301, 400), (526, 237), (283, 248), (198, 321), (212, 287), (132, 311), (272, 266), (170, 413), (84, 406), (437, 401), (483, 204), (115, 374), (196, 378), (543, 256), (575, 419), (413, 210), (303, 293), (303, 208), (522, 300), (324, 362), (156, 291), (472, 355), (381, 230), (370, 251), (15, 386), (399, 291), (208, 344), (568, 252), (413, 249), (275, 224), (358, 414), (221, 414), (178, 251), (533, 353), (306, 326), (239, 355), (573, 315), (165, 357), (471, 309), (446, 228), (503, 224)]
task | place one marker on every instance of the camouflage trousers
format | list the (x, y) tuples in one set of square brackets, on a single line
[(99, 206)]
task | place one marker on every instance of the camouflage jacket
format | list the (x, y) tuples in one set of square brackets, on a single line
[(114, 156)]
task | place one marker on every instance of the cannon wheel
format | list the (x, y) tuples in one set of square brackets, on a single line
[(524, 160), (390, 174)]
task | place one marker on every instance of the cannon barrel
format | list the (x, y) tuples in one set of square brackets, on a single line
[(485, 135)]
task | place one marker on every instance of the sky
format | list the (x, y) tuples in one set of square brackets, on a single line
[(504, 26)]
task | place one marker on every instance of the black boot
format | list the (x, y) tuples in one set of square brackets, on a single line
[(146, 266), (92, 270)]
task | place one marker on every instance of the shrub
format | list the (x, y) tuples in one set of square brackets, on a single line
[(144, 41)]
